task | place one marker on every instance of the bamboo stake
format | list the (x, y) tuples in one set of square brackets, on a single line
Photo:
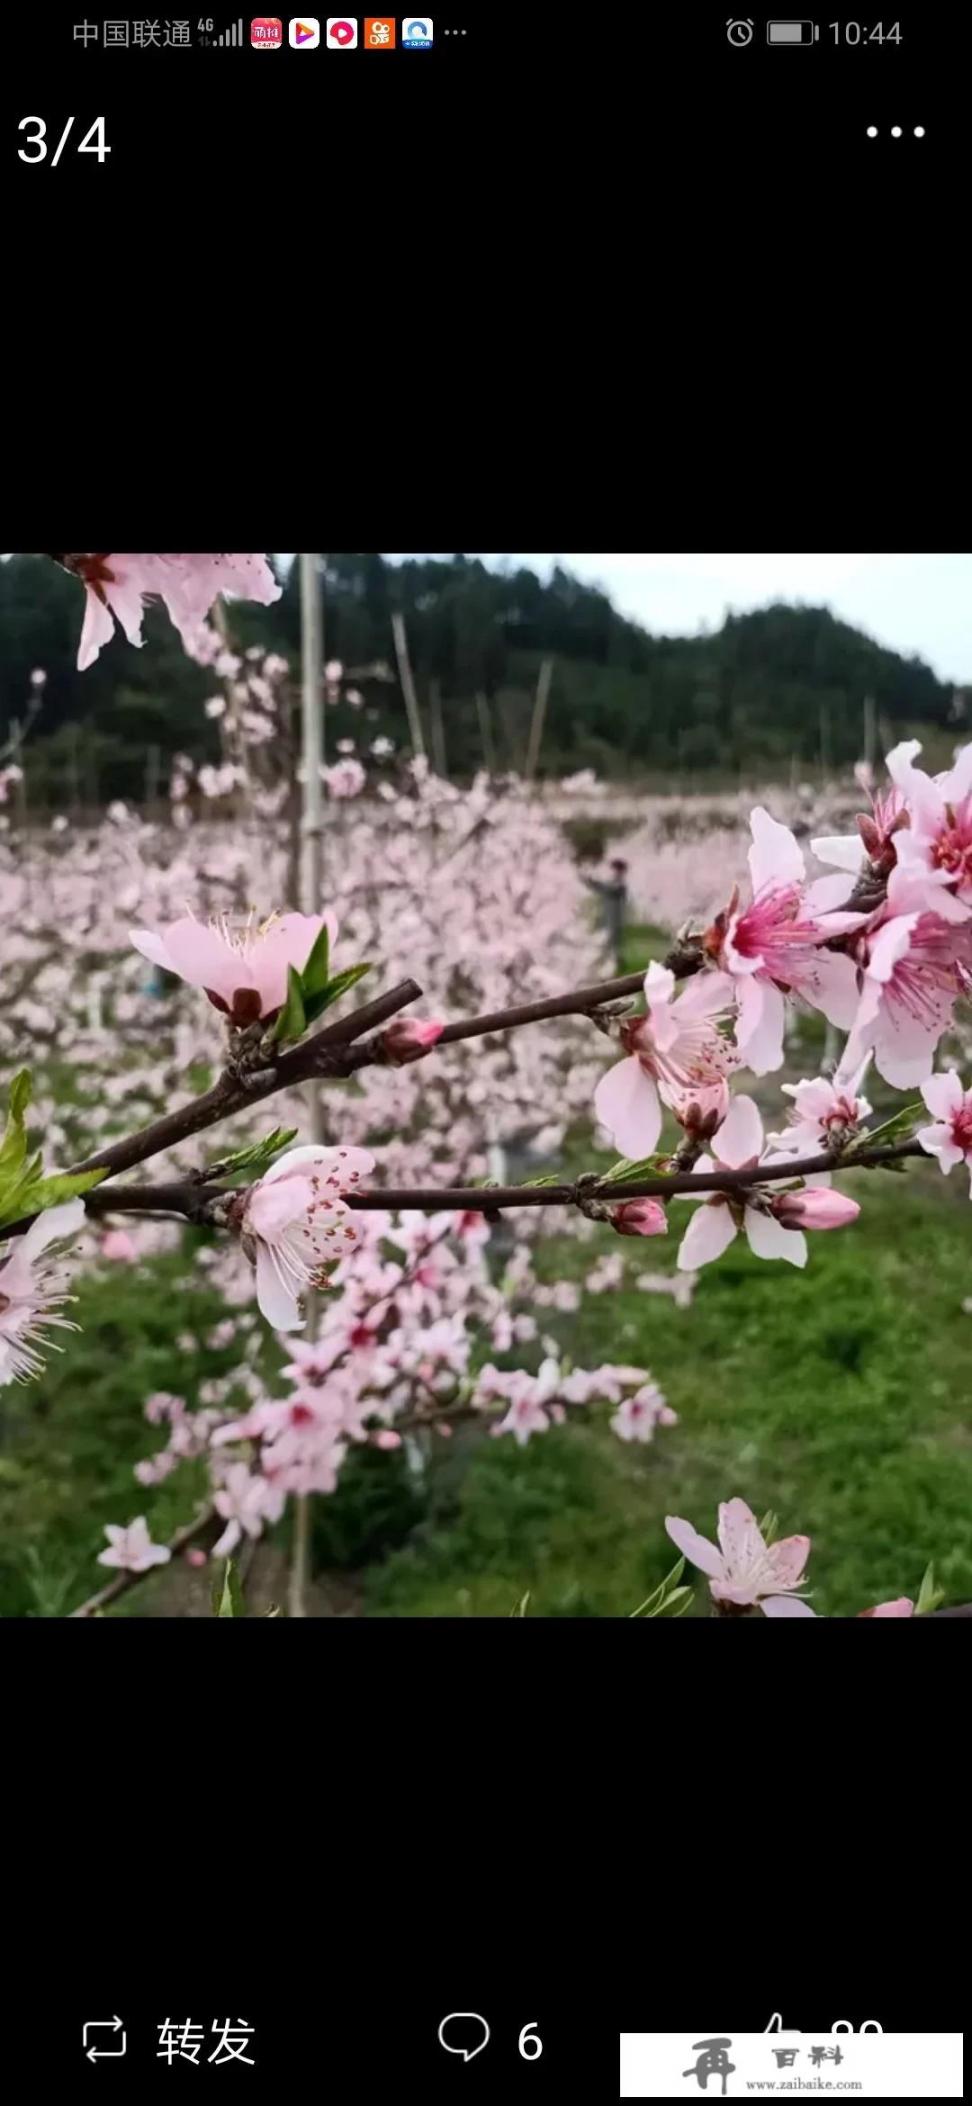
[(485, 732), (408, 684), (437, 728), (539, 713)]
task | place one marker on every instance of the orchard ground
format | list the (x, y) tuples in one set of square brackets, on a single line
[(838, 1397)]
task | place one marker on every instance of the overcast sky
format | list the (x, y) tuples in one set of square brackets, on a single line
[(920, 604)]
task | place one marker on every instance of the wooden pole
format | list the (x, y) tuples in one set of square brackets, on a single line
[(539, 713), (485, 732), (408, 684), (437, 728), (312, 745)]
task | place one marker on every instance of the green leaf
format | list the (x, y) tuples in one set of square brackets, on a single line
[(521, 1607), (646, 1166), (313, 978), (257, 1157), (13, 1147), (929, 1596), (274, 1610), (529, 1182), (227, 1593), (667, 1592), (899, 1128), (769, 1528), (292, 1021), (21, 1090), (44, 1192), (316, 1004)]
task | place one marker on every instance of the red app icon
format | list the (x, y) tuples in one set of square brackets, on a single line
[(266, 33)]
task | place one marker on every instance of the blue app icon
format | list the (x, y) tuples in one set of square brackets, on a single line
[(417, 33)]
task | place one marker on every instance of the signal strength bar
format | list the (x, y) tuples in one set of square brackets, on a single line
[(231, 36)]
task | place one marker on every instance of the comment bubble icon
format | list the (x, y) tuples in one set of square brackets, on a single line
[(463, 2033)]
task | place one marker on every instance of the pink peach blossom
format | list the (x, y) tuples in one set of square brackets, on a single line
[(744, 1570), (738, 1145), (637, 1417), (117, 1245), (297, 1223), (32, 1291), (951, 1136), (917, 961), (939, 837), (676, 1047), (823, 1111), (119, 585), (132, 1549), (243, 971), (775, 946), (902, 1607), (246, 1503)]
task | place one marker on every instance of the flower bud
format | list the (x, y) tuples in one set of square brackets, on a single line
[(639, 1217), (407, 1039), (816, 1207)]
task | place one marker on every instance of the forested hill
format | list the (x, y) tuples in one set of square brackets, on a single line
[(782, 687)]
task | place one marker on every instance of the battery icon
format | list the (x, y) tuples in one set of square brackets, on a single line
[(791, 32)]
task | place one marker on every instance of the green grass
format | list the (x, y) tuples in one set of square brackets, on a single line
[(839, 1397), (69, 1442)]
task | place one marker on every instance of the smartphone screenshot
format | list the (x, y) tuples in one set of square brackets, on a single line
[(485, 1053)]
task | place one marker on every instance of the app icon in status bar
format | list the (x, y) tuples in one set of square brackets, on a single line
[(417, 33), (379, 33), (305, 33), (342, 33), (266, 33)]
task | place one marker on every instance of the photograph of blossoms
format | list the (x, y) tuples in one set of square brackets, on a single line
[(485, 1086)]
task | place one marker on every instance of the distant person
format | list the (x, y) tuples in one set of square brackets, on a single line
[(613, 894)]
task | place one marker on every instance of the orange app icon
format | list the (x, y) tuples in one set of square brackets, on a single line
[(379, 33)]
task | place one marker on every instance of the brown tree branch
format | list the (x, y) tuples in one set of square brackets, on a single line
[(322, 1054), (200, 1203)]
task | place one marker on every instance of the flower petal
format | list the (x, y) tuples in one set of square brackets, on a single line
[(279, 1305), (96, 629), (626, 1102), (775, 857), (759, 1028), (943, 1093), (709, 1233), (787, 1560), (696, 1548), (786, 1605), (740, 1541), (740, 1137), (845, 851), (767, 1238)]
